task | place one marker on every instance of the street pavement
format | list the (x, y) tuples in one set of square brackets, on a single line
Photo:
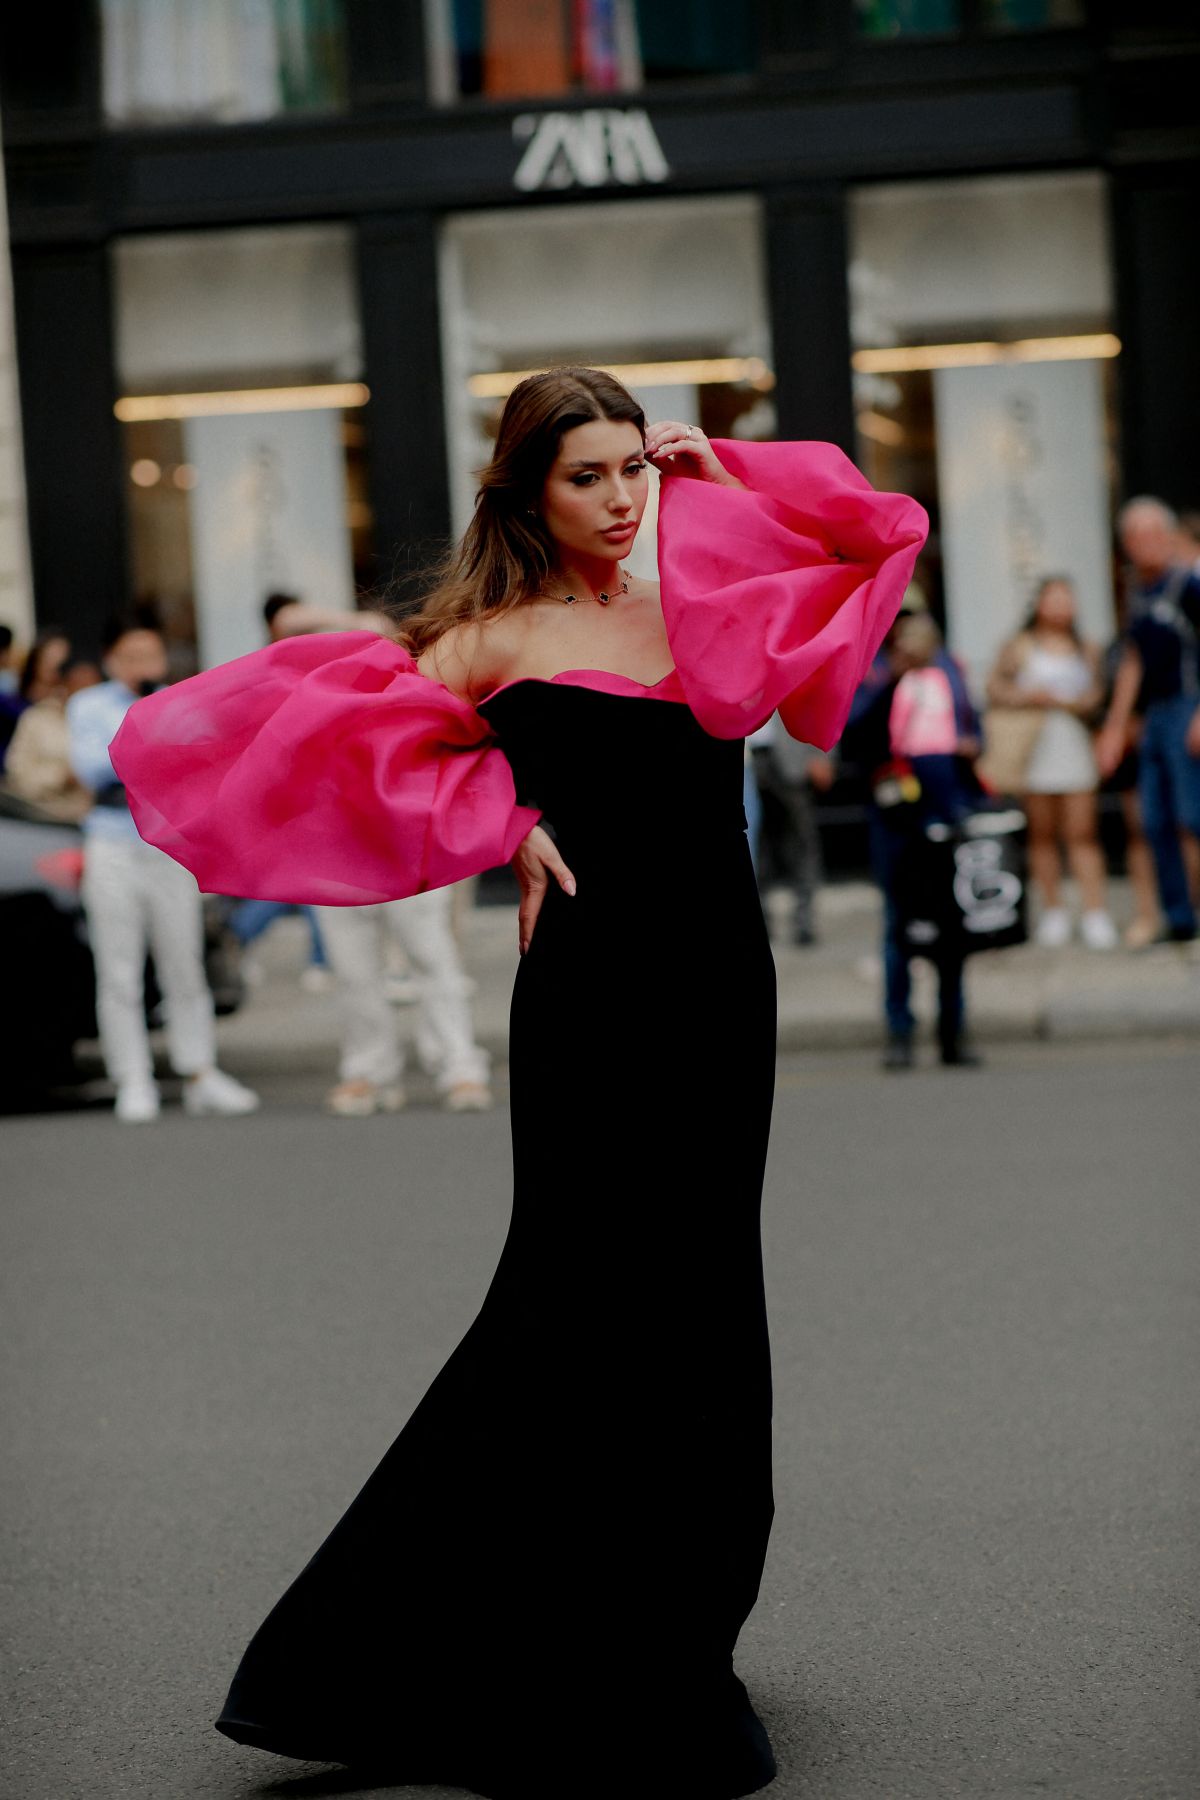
[(983, 1293)]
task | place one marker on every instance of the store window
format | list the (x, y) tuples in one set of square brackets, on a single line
[(953, 18), (242, 408), (527, 48), (669, 294), (908, 18), (1033, 15), (175, 61), (983, 370)]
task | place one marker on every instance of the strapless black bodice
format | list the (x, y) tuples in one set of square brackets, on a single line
[(597, 763), (538, 1592)]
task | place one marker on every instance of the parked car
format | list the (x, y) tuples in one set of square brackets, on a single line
[(48, 980)]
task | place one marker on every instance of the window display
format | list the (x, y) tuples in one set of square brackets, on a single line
[(174, 60), (240, 364), (987, 390), (538, 47)]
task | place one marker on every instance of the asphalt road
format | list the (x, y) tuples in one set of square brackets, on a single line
[(983, 1289)]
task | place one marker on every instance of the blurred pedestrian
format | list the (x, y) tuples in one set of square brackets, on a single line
[(42, 670), (786, 773), (136, 897), (286, 615), (40, 674), (1048, 669), (1159, 676), (8, 661), (1189, 540), (248, 921), (38, 766), (372, 1054), (361, 945), (908, 733), (11, 703)]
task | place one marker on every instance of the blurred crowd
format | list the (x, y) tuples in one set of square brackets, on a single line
[(59, 719), (1064, 724)]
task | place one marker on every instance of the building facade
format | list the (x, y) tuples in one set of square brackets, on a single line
[(276, 263)]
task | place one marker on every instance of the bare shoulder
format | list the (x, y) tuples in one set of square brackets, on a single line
[(470, 657), (448, 659)]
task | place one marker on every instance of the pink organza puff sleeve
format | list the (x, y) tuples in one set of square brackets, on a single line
[(322, 769), (778, 595)]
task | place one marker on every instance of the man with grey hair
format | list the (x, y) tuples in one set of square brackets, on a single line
[(1159, 677)]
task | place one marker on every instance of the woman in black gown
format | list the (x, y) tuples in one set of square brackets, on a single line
[(539, 1589)]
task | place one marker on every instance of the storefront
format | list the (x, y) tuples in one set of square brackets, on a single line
[(270, 345), (984, 376)]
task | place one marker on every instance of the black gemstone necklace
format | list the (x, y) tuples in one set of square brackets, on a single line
[(602, 597)]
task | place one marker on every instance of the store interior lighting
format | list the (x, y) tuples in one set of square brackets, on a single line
[(320, 396), (906, 359), (692, 372)]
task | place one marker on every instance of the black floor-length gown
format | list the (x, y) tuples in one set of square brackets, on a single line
[(538, 1591)]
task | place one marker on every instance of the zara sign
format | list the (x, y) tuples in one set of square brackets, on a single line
[(595, 148)]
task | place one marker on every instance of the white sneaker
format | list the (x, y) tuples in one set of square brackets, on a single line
[(1054, 928), (137, 1102), (359, 1099), (1098, 931), (251, 971), (216, 1092), (468, 1096), (317, 979)]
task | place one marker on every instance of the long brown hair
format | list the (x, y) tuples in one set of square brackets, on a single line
[(506, 553)]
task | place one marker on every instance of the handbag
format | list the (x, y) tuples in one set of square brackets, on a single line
[(1009, 736), (962, 887)]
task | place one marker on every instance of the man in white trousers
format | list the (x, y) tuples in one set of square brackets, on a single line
[(136, 897), (372, 1058)]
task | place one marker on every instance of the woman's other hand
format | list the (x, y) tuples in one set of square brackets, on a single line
[(678, 449), (1193, 734), (822, 773), (536, 860), (1110, 748)]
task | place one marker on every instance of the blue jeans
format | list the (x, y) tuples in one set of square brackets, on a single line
[(250, 918), (1169, 789), (887, 847)]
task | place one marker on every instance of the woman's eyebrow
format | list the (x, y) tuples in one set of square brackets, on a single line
[(634, 456)]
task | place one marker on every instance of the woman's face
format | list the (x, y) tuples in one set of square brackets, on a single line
[(139, 659), (48, 674), (595, 493), (1056, 606)]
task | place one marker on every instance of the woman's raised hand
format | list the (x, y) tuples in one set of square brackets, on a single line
[(536, 860), (678, 449)]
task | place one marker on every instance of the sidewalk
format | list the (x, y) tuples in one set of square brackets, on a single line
[(829, 994)]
